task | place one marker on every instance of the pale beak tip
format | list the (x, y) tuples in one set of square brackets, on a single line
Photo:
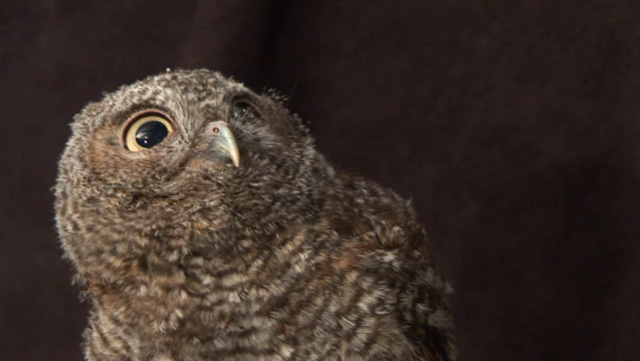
[(235, 158)]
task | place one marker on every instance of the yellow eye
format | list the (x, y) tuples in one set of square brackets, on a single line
[(146, 131)]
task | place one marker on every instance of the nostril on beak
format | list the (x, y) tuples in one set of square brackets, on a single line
[(216, 130)]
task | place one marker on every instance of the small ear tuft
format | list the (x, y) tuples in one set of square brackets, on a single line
[(277, 96), (92, 109)]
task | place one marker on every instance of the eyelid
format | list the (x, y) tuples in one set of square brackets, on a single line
[(143, 112), (244, 96)]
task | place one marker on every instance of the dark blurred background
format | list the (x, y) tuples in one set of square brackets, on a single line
[(513, 126)]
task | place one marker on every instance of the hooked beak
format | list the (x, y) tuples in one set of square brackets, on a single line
[(224, 141)]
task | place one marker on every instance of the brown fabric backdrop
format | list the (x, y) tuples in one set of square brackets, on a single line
[(513, 126)]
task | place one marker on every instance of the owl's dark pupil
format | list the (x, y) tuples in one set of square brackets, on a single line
[(151, 133), (244, 110)]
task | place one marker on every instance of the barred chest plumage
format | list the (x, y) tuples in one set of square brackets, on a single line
[(304, 299)]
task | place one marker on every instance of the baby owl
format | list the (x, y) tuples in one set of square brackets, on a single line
[(203, 225)]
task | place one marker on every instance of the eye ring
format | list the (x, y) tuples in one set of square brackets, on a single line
[(146, 129)]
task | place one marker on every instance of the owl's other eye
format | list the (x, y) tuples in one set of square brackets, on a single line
[(244, 109), (147, 130)]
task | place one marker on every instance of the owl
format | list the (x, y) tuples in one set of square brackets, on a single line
[(202, 224)]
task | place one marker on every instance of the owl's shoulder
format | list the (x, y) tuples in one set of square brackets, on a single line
[(360, 207), (369, 226), (377, 234)]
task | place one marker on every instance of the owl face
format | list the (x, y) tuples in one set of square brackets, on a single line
[(183, 160), (163, 125)]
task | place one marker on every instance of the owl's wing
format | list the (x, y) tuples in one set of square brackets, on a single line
[(419, 295), (383, 236), (432, 345), (423, 309)]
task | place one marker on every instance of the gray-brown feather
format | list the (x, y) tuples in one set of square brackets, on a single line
[(281, 258)]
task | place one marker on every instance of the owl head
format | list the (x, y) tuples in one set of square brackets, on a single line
[(178, 163)]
